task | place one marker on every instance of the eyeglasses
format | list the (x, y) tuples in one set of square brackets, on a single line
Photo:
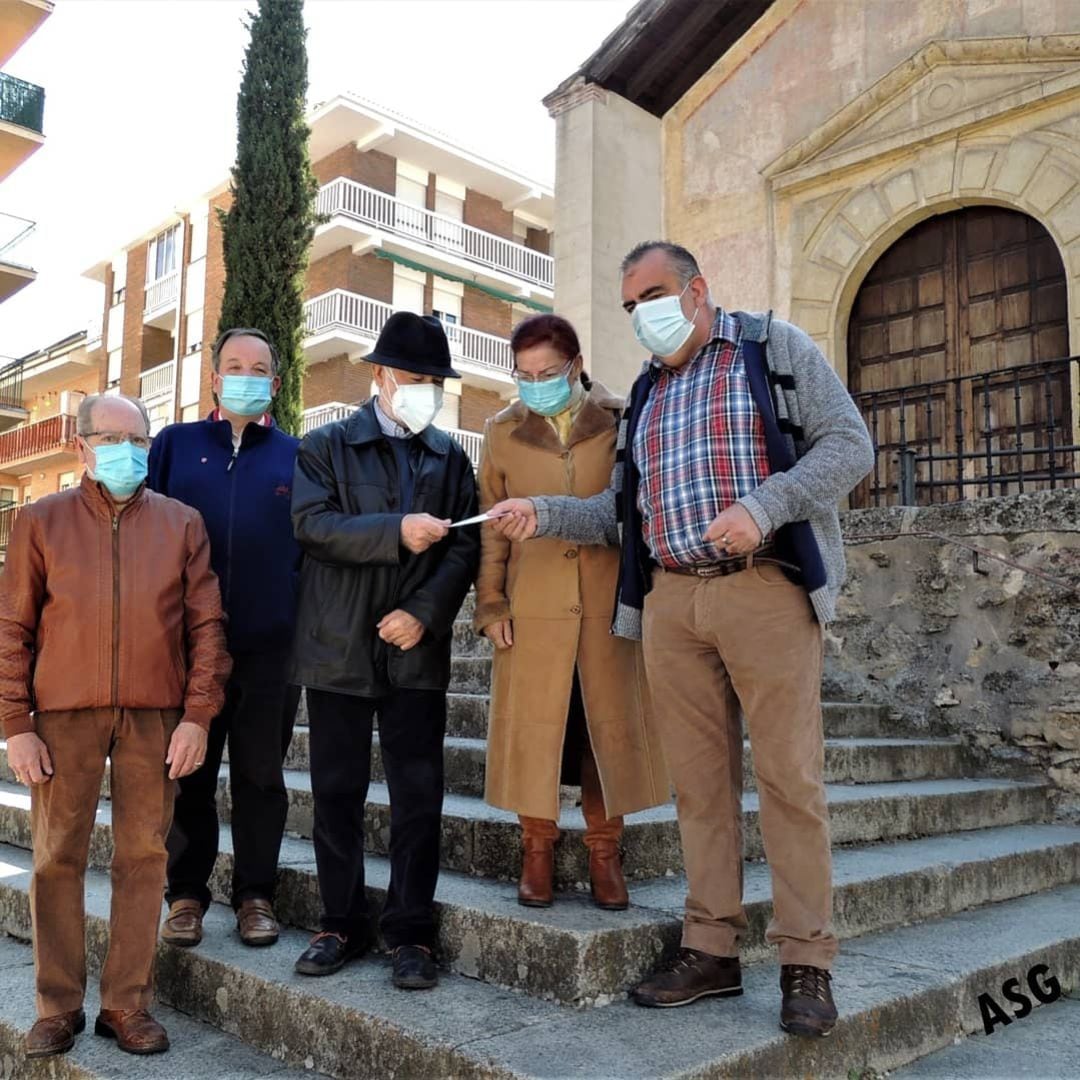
[(115, 438), (520, 377)]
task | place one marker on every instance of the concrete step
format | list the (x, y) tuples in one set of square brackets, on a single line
[(573, 952), (847, 761), (467, 718), (468, 643), (194, 1044), (484, 841), (481, 840), (902, 994), (1043, 1044)]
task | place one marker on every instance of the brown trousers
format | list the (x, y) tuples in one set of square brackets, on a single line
[(599, 828), (62, 813), (711, 645)]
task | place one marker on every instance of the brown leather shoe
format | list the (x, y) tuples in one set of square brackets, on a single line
[(606, 878), (537, 873), (54, 1034), (807, 1007), (690, 975), (135, 1031), (256, 923), (183, 924)]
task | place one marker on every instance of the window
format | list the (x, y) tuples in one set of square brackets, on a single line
[(66, 481), (8, 496), (451, 233), (409, 290), (161, 258), (118, 296), (115, 359), (410, 212)]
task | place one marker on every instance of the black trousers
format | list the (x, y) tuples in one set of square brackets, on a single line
[(412, 724), (257, 721)]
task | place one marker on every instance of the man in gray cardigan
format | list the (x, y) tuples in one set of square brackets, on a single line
[(736, 446)]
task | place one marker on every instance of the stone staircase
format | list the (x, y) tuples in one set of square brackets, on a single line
[(947, 882)]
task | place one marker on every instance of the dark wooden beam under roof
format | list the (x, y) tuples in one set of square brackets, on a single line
[(664, 46)]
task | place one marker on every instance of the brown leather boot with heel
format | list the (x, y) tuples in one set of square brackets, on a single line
[(602, 837), (536, 886)]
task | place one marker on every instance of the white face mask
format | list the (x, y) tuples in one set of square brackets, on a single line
[(416, 405), (660, 325)]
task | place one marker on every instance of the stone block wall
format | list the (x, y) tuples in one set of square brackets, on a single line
[(964, 643)]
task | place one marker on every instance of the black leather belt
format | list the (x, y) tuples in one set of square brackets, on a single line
[(732, 565)]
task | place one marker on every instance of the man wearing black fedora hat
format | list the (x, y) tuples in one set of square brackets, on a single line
[(382, 580)]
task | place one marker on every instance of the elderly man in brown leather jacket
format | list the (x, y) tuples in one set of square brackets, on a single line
[(112, 645)]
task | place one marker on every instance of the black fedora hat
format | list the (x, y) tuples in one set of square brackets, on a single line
[(415, 343)]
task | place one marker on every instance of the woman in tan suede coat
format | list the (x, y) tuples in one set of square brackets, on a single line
[(569, 702)]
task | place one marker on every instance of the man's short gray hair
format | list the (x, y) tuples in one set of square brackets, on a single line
[(682, 261), (84, 420)]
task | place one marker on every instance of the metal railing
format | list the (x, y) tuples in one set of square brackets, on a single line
[(22, 103), (1001, 432), (472, 441), (340, 309), (34, 440), (11, 385), (162, 292), (13, 231), (157, 382), (391, 215), (8, 511)]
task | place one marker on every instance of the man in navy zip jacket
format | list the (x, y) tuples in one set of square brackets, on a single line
[(236, 469)]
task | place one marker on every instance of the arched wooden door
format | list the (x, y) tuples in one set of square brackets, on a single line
[(945, 348)]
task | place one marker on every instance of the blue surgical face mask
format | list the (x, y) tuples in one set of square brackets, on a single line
[(548, 398), (246, 395), (120, 468), (661, 326)]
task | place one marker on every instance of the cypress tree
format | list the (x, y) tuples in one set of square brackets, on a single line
[(269, 227)]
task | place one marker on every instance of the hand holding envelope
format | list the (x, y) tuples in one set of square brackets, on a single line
[(478, 520)]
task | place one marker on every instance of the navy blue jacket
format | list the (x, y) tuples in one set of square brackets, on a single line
[(244, 498)]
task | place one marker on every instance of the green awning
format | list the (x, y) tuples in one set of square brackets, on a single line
[(510, 298)]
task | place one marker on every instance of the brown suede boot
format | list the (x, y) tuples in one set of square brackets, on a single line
[(536, 889), (602, 836), (606, 878)]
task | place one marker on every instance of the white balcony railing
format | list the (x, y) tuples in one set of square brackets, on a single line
[(391, 215), (349, 311), (325, 414), (162, 292), (318, 415), (157, 382)]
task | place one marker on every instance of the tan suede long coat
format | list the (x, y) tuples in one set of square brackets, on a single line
[(559, 596)]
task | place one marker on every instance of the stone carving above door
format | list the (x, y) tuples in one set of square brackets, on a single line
[(944, 88)]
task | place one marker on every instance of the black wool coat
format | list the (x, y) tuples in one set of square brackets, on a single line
[(347, 519)]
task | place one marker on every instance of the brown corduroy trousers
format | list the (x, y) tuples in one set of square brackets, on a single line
[(711, 645), (62, 814)]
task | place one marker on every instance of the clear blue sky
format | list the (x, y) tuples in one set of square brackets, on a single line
[(141, 99)]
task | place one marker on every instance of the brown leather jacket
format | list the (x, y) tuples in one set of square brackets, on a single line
[(109, 606)]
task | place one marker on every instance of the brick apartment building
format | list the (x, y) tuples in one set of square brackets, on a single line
[(22, 107), (412, 222)]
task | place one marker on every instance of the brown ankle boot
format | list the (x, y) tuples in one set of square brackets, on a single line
[(606, 878), (537, 873)]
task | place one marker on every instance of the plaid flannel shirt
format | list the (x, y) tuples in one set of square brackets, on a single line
[(700, 446)]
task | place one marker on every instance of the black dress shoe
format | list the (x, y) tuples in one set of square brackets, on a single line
[(414, 968), (328, 953)]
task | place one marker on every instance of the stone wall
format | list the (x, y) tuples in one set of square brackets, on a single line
[(963, 643)]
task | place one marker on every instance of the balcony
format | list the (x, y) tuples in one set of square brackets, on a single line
[(156, 384), (362, 217), (159, 307), (18, 20), (8, 511), (14, 275), (41, 443), (22, 109), (315, 417), (346, 322), (12, 411)]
